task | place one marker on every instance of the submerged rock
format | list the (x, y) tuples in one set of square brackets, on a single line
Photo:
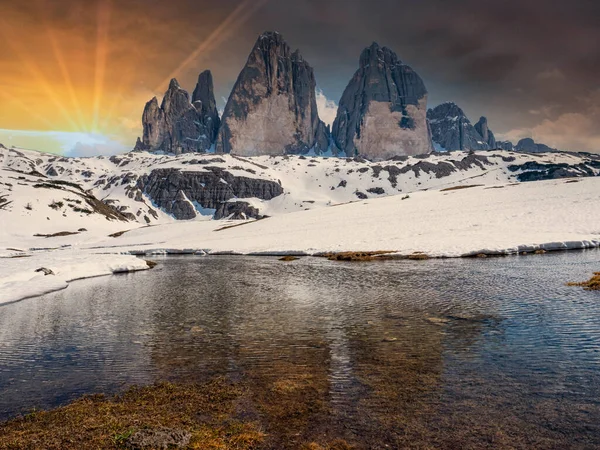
[(272, 109), (383, 110)]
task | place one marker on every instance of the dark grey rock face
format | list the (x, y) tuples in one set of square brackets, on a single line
[(528, 145), (237, 211), (485, 132), (171, 189), (451, 129), (505, 145), (203, 100), (534, 171), (272, 109), (382, 112), (182, 208), (177, 126)]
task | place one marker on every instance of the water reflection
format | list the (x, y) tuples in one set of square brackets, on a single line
[(444, 353)]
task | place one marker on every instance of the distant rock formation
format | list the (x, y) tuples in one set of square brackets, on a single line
[(451, 129), (272, 109), (530, 146), (486, 134), (505, 145), (383, 110), (177, 126)]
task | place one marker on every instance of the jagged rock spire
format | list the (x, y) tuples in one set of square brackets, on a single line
[(272, 108), (177, 126)]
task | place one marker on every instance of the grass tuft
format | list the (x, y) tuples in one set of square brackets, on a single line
[(593, 284)]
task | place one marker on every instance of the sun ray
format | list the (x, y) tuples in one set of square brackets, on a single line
[(235, 19), (58, 54), (67, 79), (104, 10), (38, 75), (117, 98), (27, 109)]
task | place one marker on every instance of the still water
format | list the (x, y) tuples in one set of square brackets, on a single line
[(466, 353)]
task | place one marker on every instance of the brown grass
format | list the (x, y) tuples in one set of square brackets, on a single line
[(418, 256), (593, 284), (359, 256), (289, 258), (457, 188), (106, 423), (59, 234), (118, 234), (239, 224)]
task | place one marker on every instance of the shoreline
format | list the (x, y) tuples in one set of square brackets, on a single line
[(341, 257)]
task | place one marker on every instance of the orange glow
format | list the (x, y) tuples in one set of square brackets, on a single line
[(90, 67), (239, 16)]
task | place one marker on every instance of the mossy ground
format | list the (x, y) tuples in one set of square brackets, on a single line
[(210, 412)]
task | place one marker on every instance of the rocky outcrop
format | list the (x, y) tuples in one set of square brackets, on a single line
[(177, 126), (182, 208), (207, 191), (451, 129), (272, 109), (382, 112), (534, 171), (485, 132), (203, 100), (528, 145), (505, 145), (237, 211)]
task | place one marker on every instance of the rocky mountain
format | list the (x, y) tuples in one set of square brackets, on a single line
[(505, 145), (382, 112), (272, 109), (178, 126), (451, 129), (530, 146), (203, 100), (486, 134)]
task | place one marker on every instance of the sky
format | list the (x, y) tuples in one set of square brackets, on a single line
[(75, 75)]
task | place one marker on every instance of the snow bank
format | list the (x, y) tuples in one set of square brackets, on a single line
[(512, 218), (19, 279)]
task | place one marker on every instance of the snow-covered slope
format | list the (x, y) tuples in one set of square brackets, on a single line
[(30, 180), (66, 214)]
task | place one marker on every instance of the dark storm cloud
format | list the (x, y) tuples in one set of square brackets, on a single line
[(498, 58), (490, 68)]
